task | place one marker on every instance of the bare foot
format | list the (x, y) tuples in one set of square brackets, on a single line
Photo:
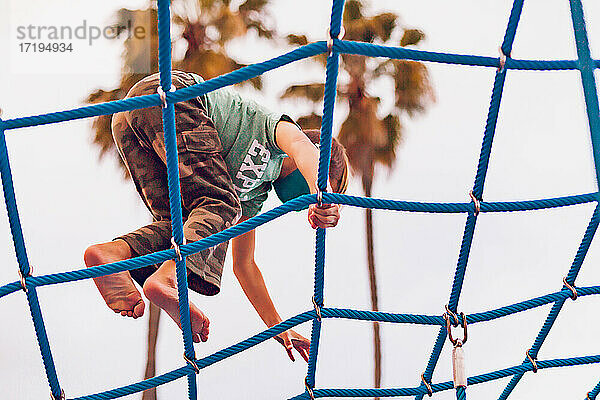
[(118, 289), (161, 289)]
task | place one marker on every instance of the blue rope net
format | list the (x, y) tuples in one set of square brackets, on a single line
[(334, 47)]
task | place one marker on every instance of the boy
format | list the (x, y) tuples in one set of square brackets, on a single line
[(231, 152)]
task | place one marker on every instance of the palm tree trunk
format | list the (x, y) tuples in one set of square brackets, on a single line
[(367, 186), (153, 321)]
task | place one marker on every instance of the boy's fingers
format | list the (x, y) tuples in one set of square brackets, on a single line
[(326, 212), (289, 347), (302, 346), (329, 221)]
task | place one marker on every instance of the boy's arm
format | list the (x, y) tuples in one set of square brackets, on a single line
[(298, 146), (248, 274)]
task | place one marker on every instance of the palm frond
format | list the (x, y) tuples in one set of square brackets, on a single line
[(312, 92), (412, 37)]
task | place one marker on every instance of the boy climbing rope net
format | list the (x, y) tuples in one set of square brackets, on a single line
[(232, 151)]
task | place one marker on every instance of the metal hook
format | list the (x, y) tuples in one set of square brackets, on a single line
[(456, 342)]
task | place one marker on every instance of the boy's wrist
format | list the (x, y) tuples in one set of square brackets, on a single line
[(271, 322)]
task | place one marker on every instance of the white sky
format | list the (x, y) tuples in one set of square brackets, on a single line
[(69, 200)]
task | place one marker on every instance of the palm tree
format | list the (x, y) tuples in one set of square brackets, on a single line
[(369, 139), (206, 27)]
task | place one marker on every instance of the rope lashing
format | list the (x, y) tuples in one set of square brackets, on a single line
[(309, 389), (192, 362), (163, 95), (476, 203), (177, 249), (502, 60), (23, 278), (317, 308), (61, 397), (571, 288), (319, 196), (453, 315), (532, 361), (427, 385), (330, 40)]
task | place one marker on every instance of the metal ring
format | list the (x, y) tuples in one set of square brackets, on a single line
[(309, 389), (192, 363), (62, 395), (177, 248), (502, 60), (532, 361), (455, 324), (456, 342), (476, 201), (571, 288), (319, 197), (427, 385), (163, 95), (317, 308), (23, 277)]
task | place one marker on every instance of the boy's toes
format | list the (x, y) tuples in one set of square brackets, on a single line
[(204, 332), (196, 338), (124, 313), (138, 309)]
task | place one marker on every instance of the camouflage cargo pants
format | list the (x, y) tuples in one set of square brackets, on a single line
[(208, 197)]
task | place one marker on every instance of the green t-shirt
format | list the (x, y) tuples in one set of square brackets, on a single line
[(247, 133)]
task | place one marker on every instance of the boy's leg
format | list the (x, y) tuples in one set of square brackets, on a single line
[(118, 290), (161, 289), (148, 175), (208, 196)]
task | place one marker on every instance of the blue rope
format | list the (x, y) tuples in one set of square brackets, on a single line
[(482, 167), (585, 64), (322, 179), (168, 115), (586, 68), (254, 70), (440, 387), (592, 394), (25, 269), (553, 314)]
